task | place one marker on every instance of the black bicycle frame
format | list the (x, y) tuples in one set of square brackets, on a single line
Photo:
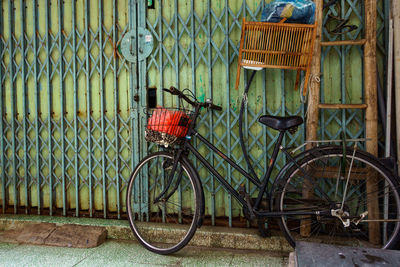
[(261, 184)]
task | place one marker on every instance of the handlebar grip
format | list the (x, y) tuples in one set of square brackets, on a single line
[(172, 90), (175, 91)]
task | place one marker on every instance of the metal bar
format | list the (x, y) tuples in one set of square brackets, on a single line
[(135, 116), (230, 161), (178, 85), (225, 184), (76, 104), (264, 108), (343, 77), (283, 106), (24, 110), (12, 88), (133, 88), (160, 49), (389, 92), (329, 141), (243, 109), (387, 18), (61, 74), (176, 45), (228, 104), (141, 71), (37, 103), (192, 46), (274, 156), (116, 106), (141, 74), (209, 58), (388, 143), (348, 177), (102, 111), (88, 107), (3, 176), (49, 99)]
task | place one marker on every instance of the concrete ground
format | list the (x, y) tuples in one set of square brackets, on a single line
[(130, 253), (211, 246)]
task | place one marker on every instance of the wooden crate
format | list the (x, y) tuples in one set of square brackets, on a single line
[(276, 45)]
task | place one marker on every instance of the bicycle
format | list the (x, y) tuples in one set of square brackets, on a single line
[(331, 194)]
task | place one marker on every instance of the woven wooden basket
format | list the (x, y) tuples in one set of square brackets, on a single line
[(276, 45)]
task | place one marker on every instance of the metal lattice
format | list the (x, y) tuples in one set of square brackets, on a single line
[(72, 129)]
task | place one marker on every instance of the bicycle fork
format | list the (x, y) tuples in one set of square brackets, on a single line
[(170, 179)]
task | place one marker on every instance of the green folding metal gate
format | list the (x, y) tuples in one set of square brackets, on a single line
[(67, 144), (76, 76)]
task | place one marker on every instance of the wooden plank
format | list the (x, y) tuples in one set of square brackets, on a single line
[(345, 42), (343, 106), (371, 114), (357, 173)]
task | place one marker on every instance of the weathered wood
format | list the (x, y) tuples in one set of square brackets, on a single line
[(326, 172), (343, 106), (371, 113), (314, 94), (345, 42), (313, 99)]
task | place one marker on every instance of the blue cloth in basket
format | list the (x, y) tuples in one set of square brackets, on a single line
[(296, 11)]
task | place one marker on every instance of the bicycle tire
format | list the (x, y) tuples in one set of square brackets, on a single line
[(371, 188), (165, 226)]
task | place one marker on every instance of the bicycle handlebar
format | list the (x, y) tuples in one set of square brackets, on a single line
[(208, 104)]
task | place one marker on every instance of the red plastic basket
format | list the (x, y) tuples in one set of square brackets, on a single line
[(167, 126)]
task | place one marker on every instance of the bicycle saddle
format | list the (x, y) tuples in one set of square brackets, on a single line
[(281, 123)]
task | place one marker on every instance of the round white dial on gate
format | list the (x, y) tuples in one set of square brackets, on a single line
[(142, 39)]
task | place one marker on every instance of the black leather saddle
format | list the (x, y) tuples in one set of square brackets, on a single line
[(281, 123)]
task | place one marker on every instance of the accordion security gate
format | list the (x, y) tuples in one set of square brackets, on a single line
[(67, 143), (72, 104)]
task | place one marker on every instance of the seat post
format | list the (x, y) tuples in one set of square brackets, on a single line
[(270, 167)]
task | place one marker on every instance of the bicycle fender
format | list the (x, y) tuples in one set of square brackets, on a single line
[(199, 187)]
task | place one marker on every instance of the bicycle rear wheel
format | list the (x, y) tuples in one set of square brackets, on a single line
[(163, 222), (347, 198)]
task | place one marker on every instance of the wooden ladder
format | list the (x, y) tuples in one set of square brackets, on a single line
[(370, 91)]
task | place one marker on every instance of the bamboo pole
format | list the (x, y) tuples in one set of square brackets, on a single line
[(313, 100), (371, 116), (314, 94), (396, 28), (371, 113)]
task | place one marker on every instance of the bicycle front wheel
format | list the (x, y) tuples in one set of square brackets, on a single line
[(340, 197), (163, 212)]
